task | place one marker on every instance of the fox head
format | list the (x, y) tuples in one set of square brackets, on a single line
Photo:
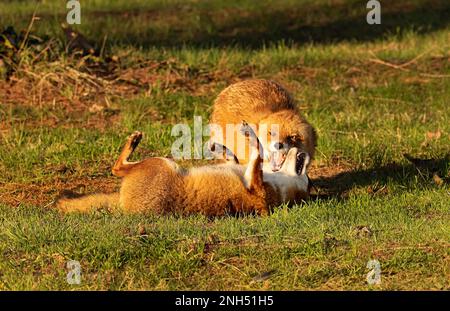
[(285, 131), (291, 181)]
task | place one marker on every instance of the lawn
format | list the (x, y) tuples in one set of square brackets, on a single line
[(378, 96)]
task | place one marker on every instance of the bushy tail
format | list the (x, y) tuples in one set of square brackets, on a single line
[(84, 203)]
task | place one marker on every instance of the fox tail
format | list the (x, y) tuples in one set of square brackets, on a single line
[(72, 202)]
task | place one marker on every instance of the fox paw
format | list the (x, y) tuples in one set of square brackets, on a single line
[(220, 151), (247, 130), (134, 139)]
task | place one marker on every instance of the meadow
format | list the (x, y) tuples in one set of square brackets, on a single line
[(378, 96)]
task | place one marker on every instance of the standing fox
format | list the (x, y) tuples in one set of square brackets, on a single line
[(266, 102), (158, 185)]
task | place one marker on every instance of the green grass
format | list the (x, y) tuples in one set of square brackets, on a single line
[(315, 246), (372, 202)]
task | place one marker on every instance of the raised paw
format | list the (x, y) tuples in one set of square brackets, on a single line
[(134, 139), (247, 130), (222, 152)]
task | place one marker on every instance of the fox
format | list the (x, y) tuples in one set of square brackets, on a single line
[(158, 185), (260, 101)]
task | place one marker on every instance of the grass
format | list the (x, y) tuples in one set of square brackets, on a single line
[(317, 246), (373, 94)]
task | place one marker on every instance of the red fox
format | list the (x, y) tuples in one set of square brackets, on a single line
[(158, 185), (260, 102)]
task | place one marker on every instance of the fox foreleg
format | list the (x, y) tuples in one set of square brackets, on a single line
[(220, 151), (253, 174)]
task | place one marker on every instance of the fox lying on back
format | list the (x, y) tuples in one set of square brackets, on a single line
[(158, 185)]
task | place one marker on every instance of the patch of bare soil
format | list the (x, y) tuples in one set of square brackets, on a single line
[(328, 171), (327, 180)]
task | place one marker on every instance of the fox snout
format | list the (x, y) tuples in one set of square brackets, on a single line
[(277, 153)]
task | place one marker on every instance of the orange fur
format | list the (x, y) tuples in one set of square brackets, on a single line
[(158, 185), (263, 102), (86, 203)]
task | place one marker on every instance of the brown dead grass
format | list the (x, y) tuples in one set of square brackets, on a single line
[(77, 93), (78, 90)]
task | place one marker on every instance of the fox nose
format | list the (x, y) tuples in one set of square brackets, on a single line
[(278, 146)]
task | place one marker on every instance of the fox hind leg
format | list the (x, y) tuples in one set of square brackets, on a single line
[(122, 165), (134, 140)]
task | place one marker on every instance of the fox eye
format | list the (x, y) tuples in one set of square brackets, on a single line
[(294, 138)]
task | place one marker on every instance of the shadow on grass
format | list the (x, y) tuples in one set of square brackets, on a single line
[(199, 25), (375, 179), (307, 23)]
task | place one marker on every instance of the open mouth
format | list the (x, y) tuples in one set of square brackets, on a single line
[(300, 162), (276, 160)]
